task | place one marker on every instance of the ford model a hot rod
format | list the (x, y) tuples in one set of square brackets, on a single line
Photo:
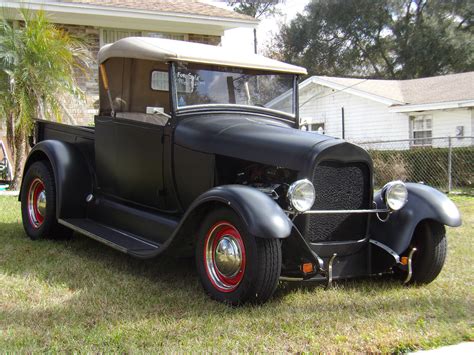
[(192, 153)]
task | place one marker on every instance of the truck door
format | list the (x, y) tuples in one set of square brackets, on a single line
[(129, 159)]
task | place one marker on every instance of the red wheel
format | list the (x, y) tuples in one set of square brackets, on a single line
[(224, 256), (234, 266), (36, 203)]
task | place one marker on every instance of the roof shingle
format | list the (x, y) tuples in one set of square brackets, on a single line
[(179, 6), (436, 89)]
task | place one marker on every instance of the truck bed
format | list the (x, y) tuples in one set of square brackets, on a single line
[(63, 132), (81, 137)]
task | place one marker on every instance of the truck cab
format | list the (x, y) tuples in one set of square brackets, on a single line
[(194, 153)]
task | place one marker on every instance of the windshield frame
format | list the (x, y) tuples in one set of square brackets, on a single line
[(292, 117)]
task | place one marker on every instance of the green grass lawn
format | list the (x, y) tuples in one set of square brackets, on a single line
[(79, 295)]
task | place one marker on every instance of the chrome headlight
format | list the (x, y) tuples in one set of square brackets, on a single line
[(301, 195), (395, 195)]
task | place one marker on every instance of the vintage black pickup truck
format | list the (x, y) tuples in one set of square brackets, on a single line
[(192, 154)]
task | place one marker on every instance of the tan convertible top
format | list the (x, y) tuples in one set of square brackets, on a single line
[(164, 50)]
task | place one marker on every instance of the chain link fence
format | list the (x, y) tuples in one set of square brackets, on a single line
[(446, 163)]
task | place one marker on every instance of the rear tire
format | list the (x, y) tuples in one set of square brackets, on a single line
[(38, 203), (430, 241), (234, 266)]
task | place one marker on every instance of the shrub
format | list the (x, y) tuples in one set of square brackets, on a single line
[(388, 168), (428, 165)]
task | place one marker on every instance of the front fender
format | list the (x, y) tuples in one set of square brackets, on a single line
[(262, 216), (424, 202), (71, 175)]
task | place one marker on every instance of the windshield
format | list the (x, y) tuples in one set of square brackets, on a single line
[(201, 85)]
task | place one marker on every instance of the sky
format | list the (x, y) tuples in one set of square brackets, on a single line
[(242, 38)]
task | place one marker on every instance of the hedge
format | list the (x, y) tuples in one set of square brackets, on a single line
[(429, 165)]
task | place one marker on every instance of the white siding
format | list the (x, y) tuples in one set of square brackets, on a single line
[(365, 120), (369, 121), (445, 123)]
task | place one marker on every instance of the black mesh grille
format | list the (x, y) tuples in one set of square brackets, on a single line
[(339, 186)]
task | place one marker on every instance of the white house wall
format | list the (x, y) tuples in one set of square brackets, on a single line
[(365, 120), (445, 123)]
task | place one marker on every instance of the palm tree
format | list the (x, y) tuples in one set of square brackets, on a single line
[(37, 66)]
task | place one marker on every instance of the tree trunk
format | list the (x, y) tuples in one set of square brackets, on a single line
[(11, 134), (19, 160)]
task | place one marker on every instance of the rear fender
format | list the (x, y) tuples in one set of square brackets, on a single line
[(71, 175), (424, 203)]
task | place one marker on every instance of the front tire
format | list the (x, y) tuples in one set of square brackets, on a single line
[(234, 266), (430, 241), (38, 203)]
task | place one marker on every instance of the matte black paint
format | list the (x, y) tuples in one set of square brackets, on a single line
[(129, 158), (193, 174), (152, 184), (346, 266), (72, 134), (250, 137), (424, 202), (263, 217), (123, 241), (71, 174), (146, 223), (295, 252), (342, 152), (190, 143)]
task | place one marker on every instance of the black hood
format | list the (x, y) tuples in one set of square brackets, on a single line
[(252, 138)]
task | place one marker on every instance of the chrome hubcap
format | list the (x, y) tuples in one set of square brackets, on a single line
[(224, 257), (41, 202), (228, 256)]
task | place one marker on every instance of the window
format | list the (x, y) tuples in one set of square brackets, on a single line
[(111, 36), (317, 127), (185, 82), (175, 36), (108, 35), (199, 84), (421, 130), (159, 80)]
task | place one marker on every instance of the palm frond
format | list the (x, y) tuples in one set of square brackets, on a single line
[(41, 61)]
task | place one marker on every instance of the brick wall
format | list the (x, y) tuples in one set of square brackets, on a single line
[(82, 113), (77, 111)]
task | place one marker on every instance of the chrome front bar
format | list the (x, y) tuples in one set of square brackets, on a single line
[(377, 210)]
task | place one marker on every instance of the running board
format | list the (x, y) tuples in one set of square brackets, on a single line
[(115, 238)]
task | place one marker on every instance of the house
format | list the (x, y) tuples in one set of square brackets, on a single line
[(106, 21), (366, 110)]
